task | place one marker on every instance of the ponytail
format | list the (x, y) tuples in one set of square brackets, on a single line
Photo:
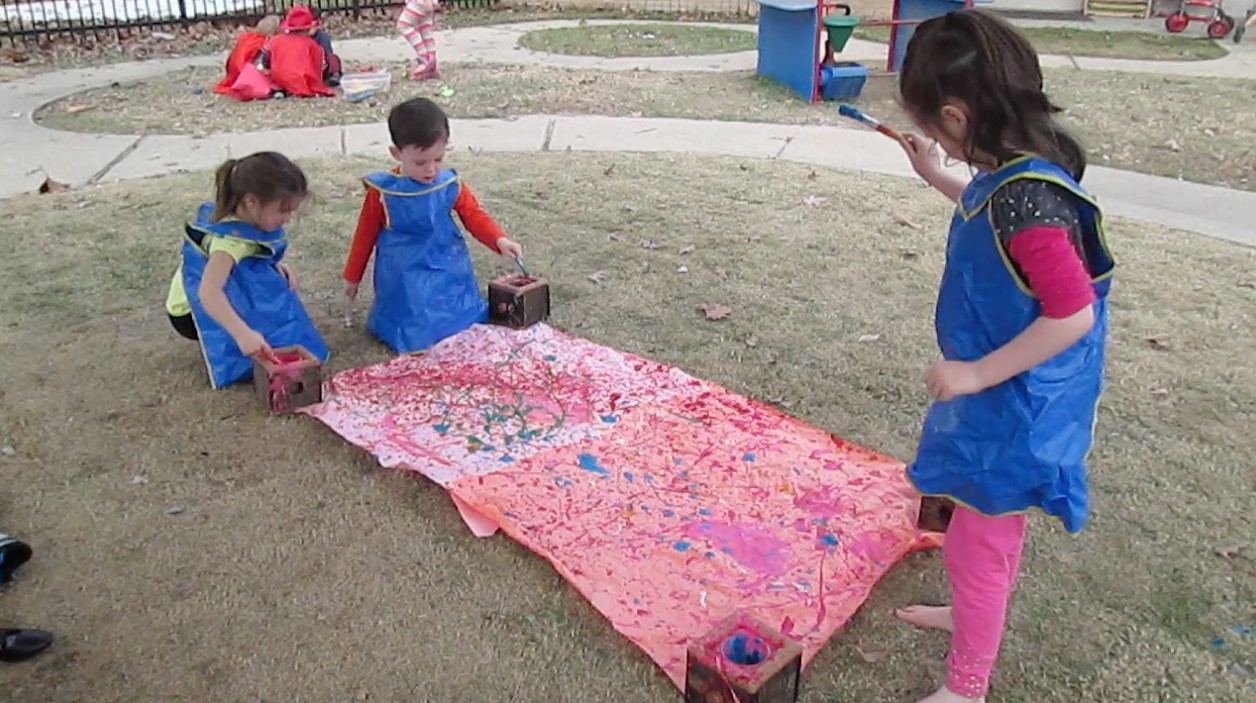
[(226, 198)]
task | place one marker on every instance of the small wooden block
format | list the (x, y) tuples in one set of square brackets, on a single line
[(742, 660), (518, 301), (295, 382), (935, 514)]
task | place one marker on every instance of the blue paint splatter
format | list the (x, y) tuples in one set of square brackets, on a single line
[(561, 482), (649, 478), (610, 419), (748, 456), (441, 427), (830, 539), (1241, 631), (681, 545), (588, 462), (550, 357), (710, 554), (705, 526), (645, 508), (506, 459), (676, 460), (704, 511), (669, 513), (628, 475)]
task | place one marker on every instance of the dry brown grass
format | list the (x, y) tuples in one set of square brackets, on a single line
[(1199, 130), (297, 571)]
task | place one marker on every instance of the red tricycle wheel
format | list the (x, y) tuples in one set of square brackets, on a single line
[(1176, 22), (1218, 28)]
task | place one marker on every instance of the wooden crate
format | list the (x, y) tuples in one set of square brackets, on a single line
[(294, 380), (743, 660), (518, 301)]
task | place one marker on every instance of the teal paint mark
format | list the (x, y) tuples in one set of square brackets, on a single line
[(681, 545), (830, 540), (610, 419), (441, 427), (628, 475), (588, 462), (748, 456), (550, 357)]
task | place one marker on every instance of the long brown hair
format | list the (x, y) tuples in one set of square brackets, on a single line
[(978, 59), (266, 175)]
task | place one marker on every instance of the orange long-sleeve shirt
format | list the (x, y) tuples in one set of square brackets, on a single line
[(479, 223)]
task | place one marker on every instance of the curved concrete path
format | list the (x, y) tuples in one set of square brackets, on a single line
[(28, 150)]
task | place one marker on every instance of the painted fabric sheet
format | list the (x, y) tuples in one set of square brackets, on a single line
[(668, 501)]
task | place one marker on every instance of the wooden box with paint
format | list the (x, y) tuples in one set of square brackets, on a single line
[(743, 660), (518, 300), (935, 514), (293, 379)]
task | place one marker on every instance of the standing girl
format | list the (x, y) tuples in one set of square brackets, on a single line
[(1021, 320), (232, 293), (417, 23)]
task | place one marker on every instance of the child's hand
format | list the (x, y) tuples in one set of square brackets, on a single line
[(948, 379), (509, 248), (923, 154), (288, 274), (351, 290), (253, 344)]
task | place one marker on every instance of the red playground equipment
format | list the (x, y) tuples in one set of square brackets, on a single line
[(1219, 24)]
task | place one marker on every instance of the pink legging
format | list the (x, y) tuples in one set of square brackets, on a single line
[(418, 30), (982, 557)]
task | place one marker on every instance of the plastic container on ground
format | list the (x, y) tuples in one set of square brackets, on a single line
[(842, 80), (360, 86)]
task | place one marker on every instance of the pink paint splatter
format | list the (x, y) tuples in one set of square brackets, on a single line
[(752, 547)]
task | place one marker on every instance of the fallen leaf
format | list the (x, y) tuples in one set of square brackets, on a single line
[(7, 450), (682, 269), (743, 167), (51, 186), (138, 480), (869, 337), (650, 244), (686, 250), (613, 237), (814, 200), (715, 311), (908, 255), (872, 656), (598, 277), (1229, 551), (1158, 343), (174, 511), (74, 109), (752, 342), (903, 220), (608, 170), (811, 176)]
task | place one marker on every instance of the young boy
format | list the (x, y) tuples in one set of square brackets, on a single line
[(425, 286)]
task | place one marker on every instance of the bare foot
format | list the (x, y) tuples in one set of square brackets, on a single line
[(944, 695), (928, 617)]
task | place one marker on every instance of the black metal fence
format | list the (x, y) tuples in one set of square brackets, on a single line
[(30, 19)]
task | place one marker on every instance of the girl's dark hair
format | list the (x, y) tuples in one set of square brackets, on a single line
[(978, 59), (266, 175)]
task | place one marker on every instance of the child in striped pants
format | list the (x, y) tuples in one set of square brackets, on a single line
[(417, 24)]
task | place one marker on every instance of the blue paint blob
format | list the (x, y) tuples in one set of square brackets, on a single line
[(710, 554), (748, 456), (669, 513), (676, 460), (830, 539), (610, 419), (705, 526), (506, 459), (561, 481), (628, 475), (550, 357), (649, 478), (745, 649), (1241, 631), (681, 545), (441, 427), (704, 511), (645, 508), (588, 462)]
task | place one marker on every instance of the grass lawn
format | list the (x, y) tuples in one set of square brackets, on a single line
[(1178, 127), (293, 569), (1089, 42), (638, 40)]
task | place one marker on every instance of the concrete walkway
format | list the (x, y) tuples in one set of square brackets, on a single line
[(28, 151)]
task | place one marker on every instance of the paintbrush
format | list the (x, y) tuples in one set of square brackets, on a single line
[(519, 263), (848, 110)]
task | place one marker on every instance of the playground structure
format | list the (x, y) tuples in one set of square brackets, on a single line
[(800, 40)]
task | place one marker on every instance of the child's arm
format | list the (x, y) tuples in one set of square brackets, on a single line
[(924, 160), (214, 300), (370, 222), (481, 225)]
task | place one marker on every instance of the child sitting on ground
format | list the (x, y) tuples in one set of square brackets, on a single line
[(248, 46), (231, 293), (417, 24), (425, 286)]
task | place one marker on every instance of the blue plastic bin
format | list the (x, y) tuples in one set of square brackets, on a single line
[(842, 80)]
